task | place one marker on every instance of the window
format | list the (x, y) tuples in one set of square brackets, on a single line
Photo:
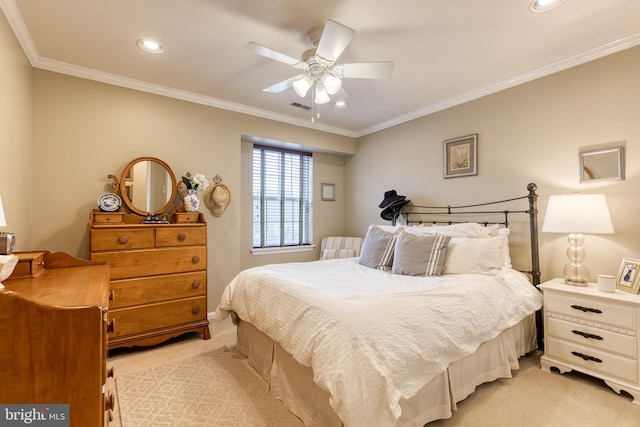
[(282, 197)]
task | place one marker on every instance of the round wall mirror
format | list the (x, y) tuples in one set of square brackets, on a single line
[(148, 186)]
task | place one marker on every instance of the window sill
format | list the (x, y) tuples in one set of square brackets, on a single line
[(282, 250)]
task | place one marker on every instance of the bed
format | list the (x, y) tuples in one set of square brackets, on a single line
[(397, 336)]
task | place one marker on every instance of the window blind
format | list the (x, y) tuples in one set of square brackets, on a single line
[(282, 197)]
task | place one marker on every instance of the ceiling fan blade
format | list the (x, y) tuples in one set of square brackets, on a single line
[(275, 55), (364, 70), (334, 40), (283, 85)]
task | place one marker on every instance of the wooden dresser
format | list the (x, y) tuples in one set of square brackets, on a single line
[(158, 284), (53, 329)]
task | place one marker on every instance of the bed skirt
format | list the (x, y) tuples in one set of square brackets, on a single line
[(293, 384)]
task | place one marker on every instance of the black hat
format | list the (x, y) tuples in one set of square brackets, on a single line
[(390, 197), (393, 210)]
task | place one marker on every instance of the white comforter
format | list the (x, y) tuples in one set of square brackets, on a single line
[(373, 338)]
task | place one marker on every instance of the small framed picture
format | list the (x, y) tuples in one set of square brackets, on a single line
[(628, 276), (461, 156), (328, 192)]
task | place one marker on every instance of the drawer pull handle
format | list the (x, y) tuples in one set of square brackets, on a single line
[(123, 239), (586, 357), (112, 295), (182, 236), (195, 310), (586, 309), (195, 285), (110, 402), (195, 259), (587, 336), (111, 326)]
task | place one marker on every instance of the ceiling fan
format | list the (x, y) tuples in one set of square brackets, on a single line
[(319, 69)]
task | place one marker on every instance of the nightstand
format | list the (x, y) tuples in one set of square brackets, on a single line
[(592, 332)]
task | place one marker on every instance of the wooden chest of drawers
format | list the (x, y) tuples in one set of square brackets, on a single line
[(54, 328), (592, 332), (158, 286)]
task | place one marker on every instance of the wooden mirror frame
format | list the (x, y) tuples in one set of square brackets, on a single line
[(125, 178)]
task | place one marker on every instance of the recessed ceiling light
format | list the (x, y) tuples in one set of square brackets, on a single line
[(150, 46), (544, 5), (340, 104)]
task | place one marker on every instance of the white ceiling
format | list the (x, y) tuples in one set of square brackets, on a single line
[(445, 51)]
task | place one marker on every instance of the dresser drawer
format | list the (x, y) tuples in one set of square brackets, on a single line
[(121, 238), (589, 336), (596, 310), (608, 364), (129, 264), (145, 290), (180, 236), (156, 316)]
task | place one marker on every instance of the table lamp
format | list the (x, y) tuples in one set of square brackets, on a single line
[(7, 239), (577, 214)]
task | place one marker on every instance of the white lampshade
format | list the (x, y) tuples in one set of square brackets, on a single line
[(322, 97), (332, 83), (302, 86), (576, 214), (3, 221)]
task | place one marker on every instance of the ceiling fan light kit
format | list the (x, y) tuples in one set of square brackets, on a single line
[(322, 74), (539, 6)]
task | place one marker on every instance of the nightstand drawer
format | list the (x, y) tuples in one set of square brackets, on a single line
[(601, 339), (592, 361), (594, 310)]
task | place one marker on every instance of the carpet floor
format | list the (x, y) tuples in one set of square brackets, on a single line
[(194, 382), (216, 388)]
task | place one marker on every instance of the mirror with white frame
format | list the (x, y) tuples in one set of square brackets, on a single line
[(602, 164)]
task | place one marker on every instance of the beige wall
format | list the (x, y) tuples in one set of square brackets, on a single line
[(530, 133), (84, 130), (15, 136)]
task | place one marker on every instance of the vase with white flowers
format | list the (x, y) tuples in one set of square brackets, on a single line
[(193, 183)]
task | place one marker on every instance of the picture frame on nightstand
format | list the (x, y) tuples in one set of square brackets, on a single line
[(628, 278)]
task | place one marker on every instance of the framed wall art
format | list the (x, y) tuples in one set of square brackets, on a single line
[(328, 192), (461, 156), (628, 278)]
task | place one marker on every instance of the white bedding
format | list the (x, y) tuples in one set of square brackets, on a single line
[(372, 337)]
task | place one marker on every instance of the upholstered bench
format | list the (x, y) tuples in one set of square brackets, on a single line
[(340, 247)]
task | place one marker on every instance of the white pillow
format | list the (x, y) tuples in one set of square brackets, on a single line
[(466, 229), (474, 256), (506, 256)]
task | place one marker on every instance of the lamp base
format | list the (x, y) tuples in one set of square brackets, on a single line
[(574, 282), (7, 243)]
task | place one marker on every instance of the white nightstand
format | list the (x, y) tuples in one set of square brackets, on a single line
[(592, 332)]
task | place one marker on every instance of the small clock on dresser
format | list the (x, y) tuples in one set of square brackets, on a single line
[(592, 332)]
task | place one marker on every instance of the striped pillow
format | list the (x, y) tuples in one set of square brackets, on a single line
[(377, 249), (419, 255)]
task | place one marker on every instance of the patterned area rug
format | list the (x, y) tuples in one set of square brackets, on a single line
[(216, 388)]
